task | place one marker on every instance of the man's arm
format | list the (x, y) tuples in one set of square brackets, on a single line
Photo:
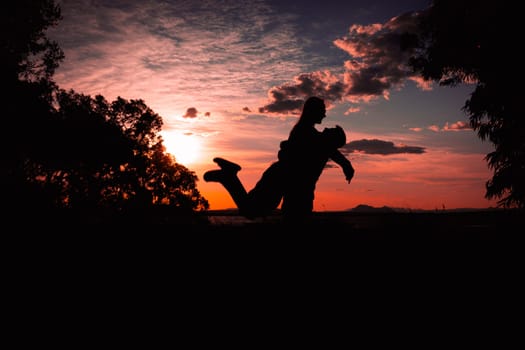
[(344, 163)]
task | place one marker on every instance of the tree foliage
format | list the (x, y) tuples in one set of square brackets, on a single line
[(26, 51), (110, 155), (467, 41), (67, 150)]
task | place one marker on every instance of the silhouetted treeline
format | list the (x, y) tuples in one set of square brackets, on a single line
[(66, 153)]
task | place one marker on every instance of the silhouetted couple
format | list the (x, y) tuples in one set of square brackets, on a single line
[(293, 177)]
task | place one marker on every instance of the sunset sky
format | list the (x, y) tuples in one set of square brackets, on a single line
[(228, 78)]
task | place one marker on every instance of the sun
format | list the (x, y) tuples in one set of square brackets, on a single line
[(185, 148)]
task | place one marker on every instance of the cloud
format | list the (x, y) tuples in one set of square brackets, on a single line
[(229, 48), (289, 98), (457, 126), (377, 64), (171, 53), (379, 147), (352, 110), (191, 113), (434, 128)]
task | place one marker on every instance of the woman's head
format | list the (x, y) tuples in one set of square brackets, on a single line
[(314, 110)]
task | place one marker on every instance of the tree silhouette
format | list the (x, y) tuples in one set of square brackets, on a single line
[(26, 51), (27, 61), (471, 41), (65, 150), (110, 155)]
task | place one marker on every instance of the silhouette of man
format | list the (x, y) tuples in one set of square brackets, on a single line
[(309, 151), (293, 177)]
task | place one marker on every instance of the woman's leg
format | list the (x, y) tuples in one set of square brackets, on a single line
[(227, 176), (261, 200)]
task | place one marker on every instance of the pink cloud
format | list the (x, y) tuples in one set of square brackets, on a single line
[(377, 64), (415, 129), (457, 126)]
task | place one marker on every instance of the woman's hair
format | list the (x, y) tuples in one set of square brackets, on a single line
[(312, 107)]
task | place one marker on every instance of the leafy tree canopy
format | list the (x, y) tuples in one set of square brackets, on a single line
[(467, 41)]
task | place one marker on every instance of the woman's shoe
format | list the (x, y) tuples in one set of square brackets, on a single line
[(214, 176), (226, 165)]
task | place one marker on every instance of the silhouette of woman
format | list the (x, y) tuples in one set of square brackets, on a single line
[(292, 178)]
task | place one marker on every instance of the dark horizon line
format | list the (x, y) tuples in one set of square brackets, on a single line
[(364, 208)]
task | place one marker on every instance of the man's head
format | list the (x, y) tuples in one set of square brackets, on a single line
[(335, 137)]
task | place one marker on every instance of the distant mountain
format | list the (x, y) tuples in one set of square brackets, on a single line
[(363, 208)]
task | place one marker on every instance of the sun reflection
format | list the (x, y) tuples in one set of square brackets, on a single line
[(185, 148)]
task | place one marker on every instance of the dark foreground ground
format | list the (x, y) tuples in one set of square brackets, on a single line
[(470, 225), (493, 224), (378, 253), (423, 276), (332, 234)]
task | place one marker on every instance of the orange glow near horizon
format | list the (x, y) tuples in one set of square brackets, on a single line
[(435, 181)]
